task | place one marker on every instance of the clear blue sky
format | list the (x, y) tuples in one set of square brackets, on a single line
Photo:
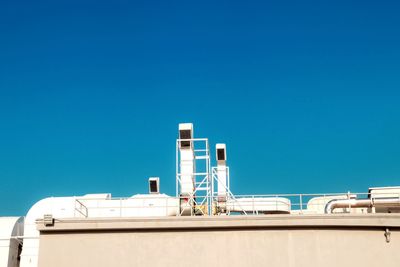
[(306, 94)]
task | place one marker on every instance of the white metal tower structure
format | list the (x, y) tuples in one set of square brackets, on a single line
[(220, 174), (193, 173)]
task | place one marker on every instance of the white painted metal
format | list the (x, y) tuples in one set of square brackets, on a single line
[(379, 200), (195, 195), (10, 230), (91, 206), (141, 205), (221, 172), (60, 207), (220, 203), (384, 192), (187, 159), (193, 173), (259, 205), (387, 204), (316, 205)]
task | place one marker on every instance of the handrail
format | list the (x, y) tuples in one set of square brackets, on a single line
[(86, 214), (298, 202)]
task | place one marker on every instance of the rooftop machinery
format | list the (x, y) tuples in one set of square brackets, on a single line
[(11, 240), (200, 190), (222, 178), (195, 181), (193, 176)]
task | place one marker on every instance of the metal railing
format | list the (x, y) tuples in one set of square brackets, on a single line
[(81, 209), (202, 194), (170, 206)]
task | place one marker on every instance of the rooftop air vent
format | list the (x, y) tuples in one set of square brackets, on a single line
[(221, 152), (185, 133), (154, 185)]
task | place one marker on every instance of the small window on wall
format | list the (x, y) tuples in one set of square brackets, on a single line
[(220, 154), (185, 134), (154, 185)]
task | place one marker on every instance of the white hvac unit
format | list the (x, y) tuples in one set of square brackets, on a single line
[(385, 199)]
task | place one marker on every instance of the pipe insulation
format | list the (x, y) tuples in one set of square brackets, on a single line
[(361, 203)]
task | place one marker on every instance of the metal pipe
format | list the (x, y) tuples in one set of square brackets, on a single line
[(361, 203)]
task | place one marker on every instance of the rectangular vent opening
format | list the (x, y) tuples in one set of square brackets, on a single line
[(185, 134), (154, 186), (220, 154)]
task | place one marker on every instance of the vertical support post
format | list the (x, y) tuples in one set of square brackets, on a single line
[(253, 204), (210, 181), (166, 206), (222, 174), (348, 197), (186, 168), (301, 204), (120, 207), (177, 168), (194, 195)]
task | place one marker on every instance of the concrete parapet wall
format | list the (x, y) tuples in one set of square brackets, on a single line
[(271, 240)]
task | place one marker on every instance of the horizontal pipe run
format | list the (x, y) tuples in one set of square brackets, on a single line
[(361, 203)]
